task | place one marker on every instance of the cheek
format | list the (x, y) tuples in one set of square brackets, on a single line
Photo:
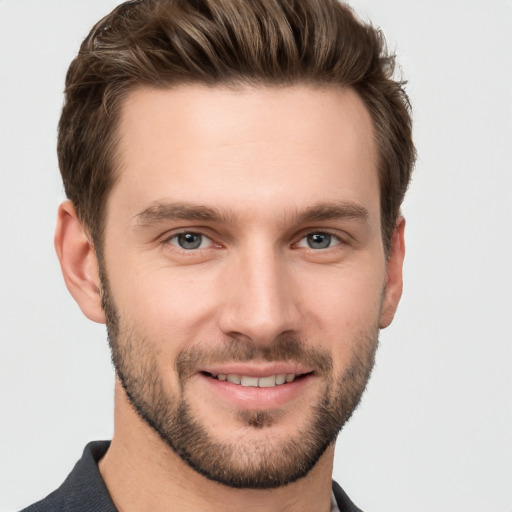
[(167, 307), (346, 312), (346, 295)]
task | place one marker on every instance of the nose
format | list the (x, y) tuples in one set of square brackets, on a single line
[(261, 301)]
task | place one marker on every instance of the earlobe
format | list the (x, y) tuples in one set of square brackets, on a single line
[(78, 262), (394, 279)]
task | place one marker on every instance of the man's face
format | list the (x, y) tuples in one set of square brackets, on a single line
[(244, 272)]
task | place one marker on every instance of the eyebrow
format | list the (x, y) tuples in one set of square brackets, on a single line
[(162, 211), (334, 211)]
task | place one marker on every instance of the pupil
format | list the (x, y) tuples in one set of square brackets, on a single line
[(319, 240), (189, 240)]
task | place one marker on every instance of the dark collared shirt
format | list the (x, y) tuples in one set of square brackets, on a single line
[(84, 489)]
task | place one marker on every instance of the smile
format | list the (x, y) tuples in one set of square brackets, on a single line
[(256, 387), (256, 382)]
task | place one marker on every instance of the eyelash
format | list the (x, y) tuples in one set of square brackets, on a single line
[(175, 236), (331, 236)]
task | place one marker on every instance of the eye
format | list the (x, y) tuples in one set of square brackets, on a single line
[(319, 240), (190, 241)]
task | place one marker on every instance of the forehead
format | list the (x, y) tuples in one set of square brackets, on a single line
[(251, 149)]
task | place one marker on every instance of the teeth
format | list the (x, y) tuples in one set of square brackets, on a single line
[(232, 377), (267, 382), (262, 382), (249, 381)]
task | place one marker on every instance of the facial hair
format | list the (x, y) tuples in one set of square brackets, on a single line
[(255, 463)]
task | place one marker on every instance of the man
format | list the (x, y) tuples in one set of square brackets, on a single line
[(234, 171)]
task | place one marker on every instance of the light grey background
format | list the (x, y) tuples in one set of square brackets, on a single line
[(434, 433)]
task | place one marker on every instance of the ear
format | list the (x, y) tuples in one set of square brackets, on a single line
[(394, 279), (78, 262)]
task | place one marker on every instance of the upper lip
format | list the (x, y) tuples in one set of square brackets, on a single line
[(256, 370)]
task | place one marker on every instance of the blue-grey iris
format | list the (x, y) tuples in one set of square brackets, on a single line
[(319, 240), (189, 240)]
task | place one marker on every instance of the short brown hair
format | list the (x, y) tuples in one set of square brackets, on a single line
[(162, 43)]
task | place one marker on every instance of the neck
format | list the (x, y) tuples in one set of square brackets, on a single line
[(142, 473)]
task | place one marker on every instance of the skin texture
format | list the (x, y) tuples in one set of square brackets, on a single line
[(254, 171)]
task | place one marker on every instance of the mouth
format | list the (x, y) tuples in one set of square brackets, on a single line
[(253, 388), (251, 381), (255, 385)]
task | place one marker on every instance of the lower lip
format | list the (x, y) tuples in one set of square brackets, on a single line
[(255, 398)]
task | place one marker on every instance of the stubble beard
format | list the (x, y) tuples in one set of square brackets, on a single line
[(258, 463)]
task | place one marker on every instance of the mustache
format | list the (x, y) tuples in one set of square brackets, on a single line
[(284, 348)]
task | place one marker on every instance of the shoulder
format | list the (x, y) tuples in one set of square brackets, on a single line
[(52, 503), (83, 490), (345, 504)]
